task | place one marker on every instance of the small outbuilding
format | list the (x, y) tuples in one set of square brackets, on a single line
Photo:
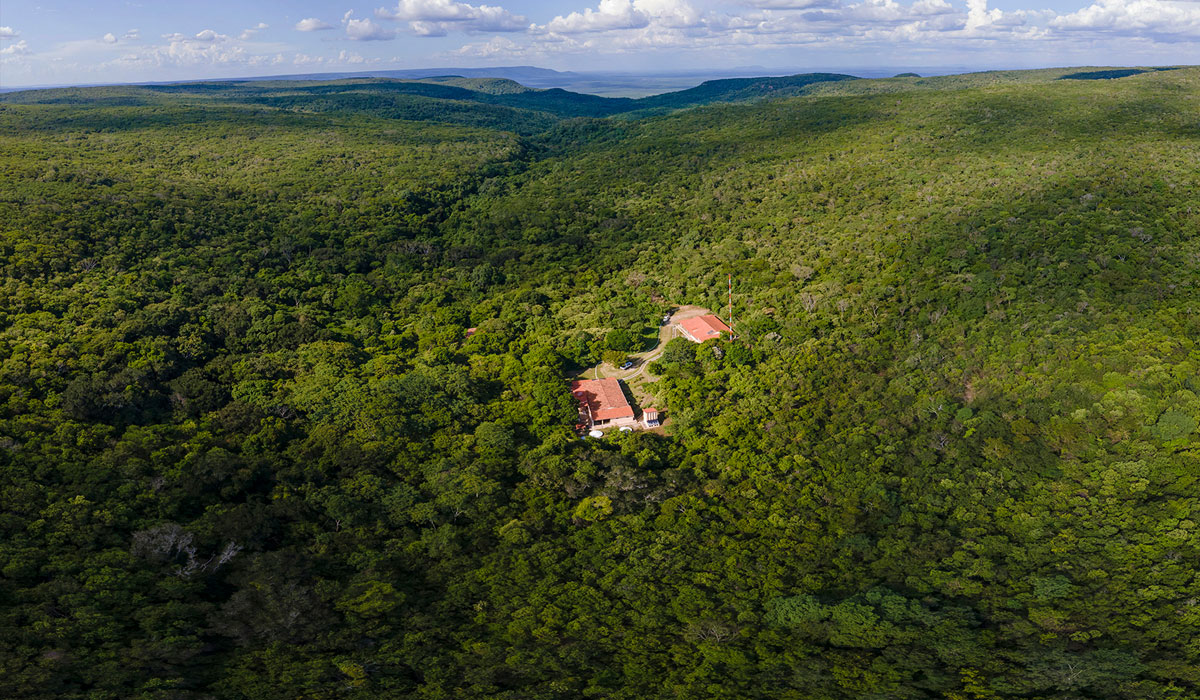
[(701, 328), (650, 418), (602, 403)]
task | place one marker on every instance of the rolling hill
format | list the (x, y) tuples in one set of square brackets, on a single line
[(284, 412), (493, 99)]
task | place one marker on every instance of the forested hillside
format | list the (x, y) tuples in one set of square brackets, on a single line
[(249, 450)]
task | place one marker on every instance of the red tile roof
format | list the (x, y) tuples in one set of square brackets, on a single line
[(702, 328), (604, 397)]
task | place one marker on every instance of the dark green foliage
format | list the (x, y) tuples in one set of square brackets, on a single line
[(621, 339), (249, 448), (1111, 74), (735, 90), (1102, 74)]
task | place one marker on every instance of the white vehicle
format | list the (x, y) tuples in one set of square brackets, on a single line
[(596, 434), (626, 429)]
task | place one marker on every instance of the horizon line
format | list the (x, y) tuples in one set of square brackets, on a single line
[(778, 71)]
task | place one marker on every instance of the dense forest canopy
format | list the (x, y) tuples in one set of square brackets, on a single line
[(248, 448)]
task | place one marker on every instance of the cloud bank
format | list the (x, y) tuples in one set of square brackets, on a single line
[(684, 31), (312, 24), (441, 17)]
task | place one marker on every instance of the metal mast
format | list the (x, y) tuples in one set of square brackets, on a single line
[(731, 302)]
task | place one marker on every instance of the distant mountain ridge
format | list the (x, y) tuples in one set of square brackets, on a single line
[(531, 76), (492, 102), (484, 98), (555, 102), (527, 75), (612, 84)]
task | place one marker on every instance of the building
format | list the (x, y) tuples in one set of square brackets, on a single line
[(650, 418), (602, 403), (701, 328)]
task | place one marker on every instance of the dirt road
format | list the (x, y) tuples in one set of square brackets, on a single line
[(635, 377)]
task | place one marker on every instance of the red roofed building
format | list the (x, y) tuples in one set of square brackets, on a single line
[(602, 403), (701, 328)]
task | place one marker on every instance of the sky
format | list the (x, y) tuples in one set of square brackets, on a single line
[(74, 42)]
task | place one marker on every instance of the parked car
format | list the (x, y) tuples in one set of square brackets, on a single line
[(627, 365)]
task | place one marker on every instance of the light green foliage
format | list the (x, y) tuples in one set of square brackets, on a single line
[(1173, 425)]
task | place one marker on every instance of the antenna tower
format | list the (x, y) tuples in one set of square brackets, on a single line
[(731, 301)]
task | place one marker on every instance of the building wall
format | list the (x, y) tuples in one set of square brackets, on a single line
[(679, 330), (615, 422)]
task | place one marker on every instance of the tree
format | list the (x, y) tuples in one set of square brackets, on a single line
[(621, 340)]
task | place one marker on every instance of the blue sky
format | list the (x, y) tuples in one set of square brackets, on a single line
[(74, 42)]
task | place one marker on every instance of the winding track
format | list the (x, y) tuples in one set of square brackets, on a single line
[(643, 359)]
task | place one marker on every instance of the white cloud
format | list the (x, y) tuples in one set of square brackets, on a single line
[(195, 54), (671, 13), (366, 30), (439, 17), (668, 20), (18, 49), (932, 7), (248, 34), (981, 20), (181, 50), (210, 35), (312, 24), (792, 4), (348, 57), (736, 30), (1152, 18), (636, 26), (496, 47), (609, 15)]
